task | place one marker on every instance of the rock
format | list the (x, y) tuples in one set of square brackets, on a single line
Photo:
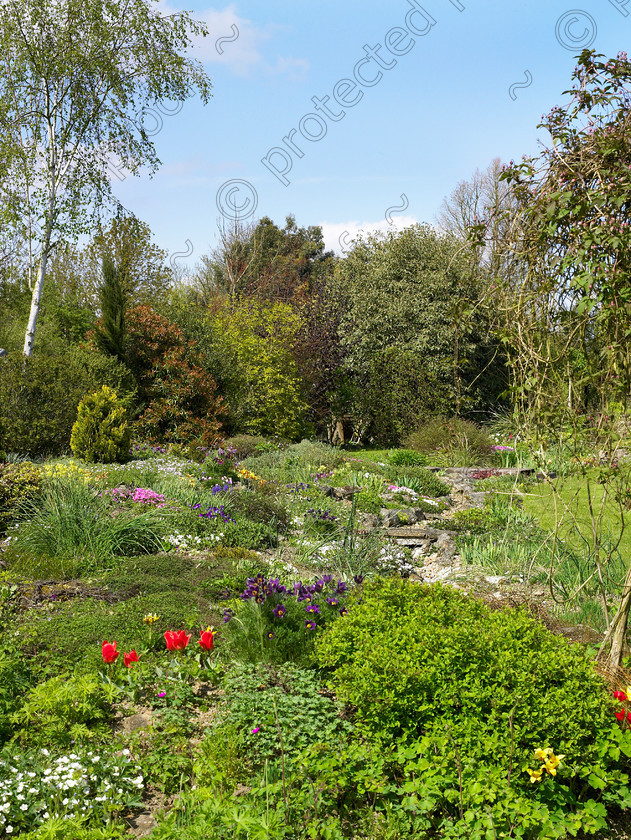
[(390, 518), (140, 721), (494, 579), (144, 824), (369, 521), (420, 552), (420, 515), (343, 493)]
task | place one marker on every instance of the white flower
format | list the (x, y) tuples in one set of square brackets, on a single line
[(8, 829)]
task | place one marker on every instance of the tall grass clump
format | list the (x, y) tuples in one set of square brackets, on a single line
[(71, 529)]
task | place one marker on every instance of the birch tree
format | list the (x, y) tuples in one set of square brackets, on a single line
[(78, 79)]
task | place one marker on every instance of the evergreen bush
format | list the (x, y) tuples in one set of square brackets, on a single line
[(101, 432)]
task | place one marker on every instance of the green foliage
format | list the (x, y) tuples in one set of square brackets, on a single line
[(70, 529), (14, 683), (39, 397), (369, 501), (267, 713), (245, 445), (451, 435), (407, 458), (61, 711), (101, 432), (409, 331), (165, 756), (262, 504), (479, 691), (297, 462), (422, 481), (263, 389), (111, 334), (19, 485)]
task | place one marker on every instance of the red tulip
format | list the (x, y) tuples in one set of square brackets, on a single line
[(620, 695), (176, 640), (620, 715), (130, 657), (110, 654), (207, 640)]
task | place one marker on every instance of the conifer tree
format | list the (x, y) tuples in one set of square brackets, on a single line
[(112, 333)]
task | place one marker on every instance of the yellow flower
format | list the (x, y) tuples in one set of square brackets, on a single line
[(535, 775), (150, 618)]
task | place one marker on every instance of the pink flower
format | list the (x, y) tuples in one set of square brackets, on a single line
[(255, 730)]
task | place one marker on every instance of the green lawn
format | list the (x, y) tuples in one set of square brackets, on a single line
[(567, 506)]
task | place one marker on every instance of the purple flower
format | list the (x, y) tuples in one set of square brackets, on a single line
[(358, 579), (312, 608), (341, 587), (279, 610), (270, 635), (332, 602), (226, 616), (310, 625), (343, 611)]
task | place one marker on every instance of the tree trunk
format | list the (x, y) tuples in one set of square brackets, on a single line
[(29, 338), (612, 647)]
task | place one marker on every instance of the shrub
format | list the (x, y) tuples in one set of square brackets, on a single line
[(260, 505), (101, 432), (369, 501), (39, 397), (448, 435), (245, 445), (407, 458), (473, 693), (19, 484), (178, 394), (262, 384)]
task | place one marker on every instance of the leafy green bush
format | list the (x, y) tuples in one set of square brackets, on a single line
[(62, 710), (450, 435), (19, 485), (101, 433), (260, 504), (477, 692), (297, 462), (39, 397), (406, 458)]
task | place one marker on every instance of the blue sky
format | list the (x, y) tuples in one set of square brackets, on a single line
[(379, 152)]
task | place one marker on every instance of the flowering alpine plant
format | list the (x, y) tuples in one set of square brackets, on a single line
[(110, 654), (207, 640), (176, 640), (130, 658)]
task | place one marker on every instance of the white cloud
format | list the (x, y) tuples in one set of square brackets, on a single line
[(339, 236), (237, 43)]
